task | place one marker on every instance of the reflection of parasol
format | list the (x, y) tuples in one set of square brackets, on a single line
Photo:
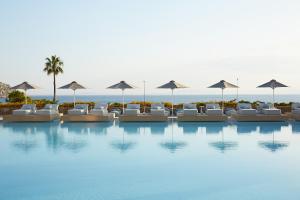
[(173, 145), (25, 145), (273, 145), (75, 145), (224, 145), (122, 145)]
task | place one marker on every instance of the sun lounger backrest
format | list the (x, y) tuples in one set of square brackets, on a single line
[(82, 106), (189, 106), (31, 107), (51, 107), (133, 106), (241, 106), (157, 106), (212, 106), (263, 105), (295, 106), (102, 106)]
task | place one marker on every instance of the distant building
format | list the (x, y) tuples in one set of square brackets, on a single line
[(4, 90)]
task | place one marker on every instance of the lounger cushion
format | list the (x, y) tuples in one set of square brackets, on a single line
[(25, 110), (272, 111), (46, 112), (99, 112), (22, 112), (189, 106), (247, 112), (133, 106), (214, 112), (77, 112), (131, 111), (296, 111), (212, 106), (101, 106), (190, 112), (295, 106), (158, 112), (157, 106)]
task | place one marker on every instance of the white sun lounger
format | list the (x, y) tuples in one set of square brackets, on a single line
[(158, 109), (100, 109), (132, 109), (190, 109), (245, 109), (213, 109), (49, 109), (79, 109), (26, 109)]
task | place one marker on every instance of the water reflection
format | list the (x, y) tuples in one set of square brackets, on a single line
[(157, 128), (246, 127), (87, 127), (172, 145), (214, 127), (131, 127), (296, 127), (122, 145), (223, 145), (24, 145), (189, 127), (268, 128)]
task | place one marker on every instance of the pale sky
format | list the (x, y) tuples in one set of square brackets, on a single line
[(194, 42)]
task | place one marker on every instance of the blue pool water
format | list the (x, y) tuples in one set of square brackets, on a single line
[(131, 161)]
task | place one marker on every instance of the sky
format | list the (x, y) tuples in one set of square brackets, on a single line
[(194, 42)]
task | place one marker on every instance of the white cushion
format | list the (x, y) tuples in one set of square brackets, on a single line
[(51, 107), (296, 111), (133, 106), (22, 112), (244, 106), (101, 106), (99, 112), (158, 112), (158, 106), (295, 106), (190, 112), (212, 106), (189, 106), (77, 112), (131, 111), (46, 112), (272, 111), (214, 112), (247, 112)]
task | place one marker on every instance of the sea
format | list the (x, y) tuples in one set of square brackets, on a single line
[(167, 98)]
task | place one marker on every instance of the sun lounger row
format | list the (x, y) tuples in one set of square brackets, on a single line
[(212, 112)]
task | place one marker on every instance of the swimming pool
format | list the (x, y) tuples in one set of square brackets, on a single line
[(131, 161)]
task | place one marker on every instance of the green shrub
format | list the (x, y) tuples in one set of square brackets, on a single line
[(17, 97)]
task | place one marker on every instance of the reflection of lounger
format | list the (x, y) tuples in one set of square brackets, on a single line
[(189, 128), (296, 127), (246, 127), (130, 128), (214, 128), (267, 128), (157, 127)]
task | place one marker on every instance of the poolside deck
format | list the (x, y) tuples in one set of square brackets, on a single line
[(30, 118), (88, 118)]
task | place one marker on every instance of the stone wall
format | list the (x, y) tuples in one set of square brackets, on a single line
[(4, 90)]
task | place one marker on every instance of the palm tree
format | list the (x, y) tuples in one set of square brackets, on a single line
[(54, 66)]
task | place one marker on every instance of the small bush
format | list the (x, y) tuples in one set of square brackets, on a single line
[(17, 97)]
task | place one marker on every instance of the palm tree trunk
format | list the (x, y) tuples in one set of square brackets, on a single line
[(54, 88)]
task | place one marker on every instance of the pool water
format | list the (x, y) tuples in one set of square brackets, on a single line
[(151, 161)]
